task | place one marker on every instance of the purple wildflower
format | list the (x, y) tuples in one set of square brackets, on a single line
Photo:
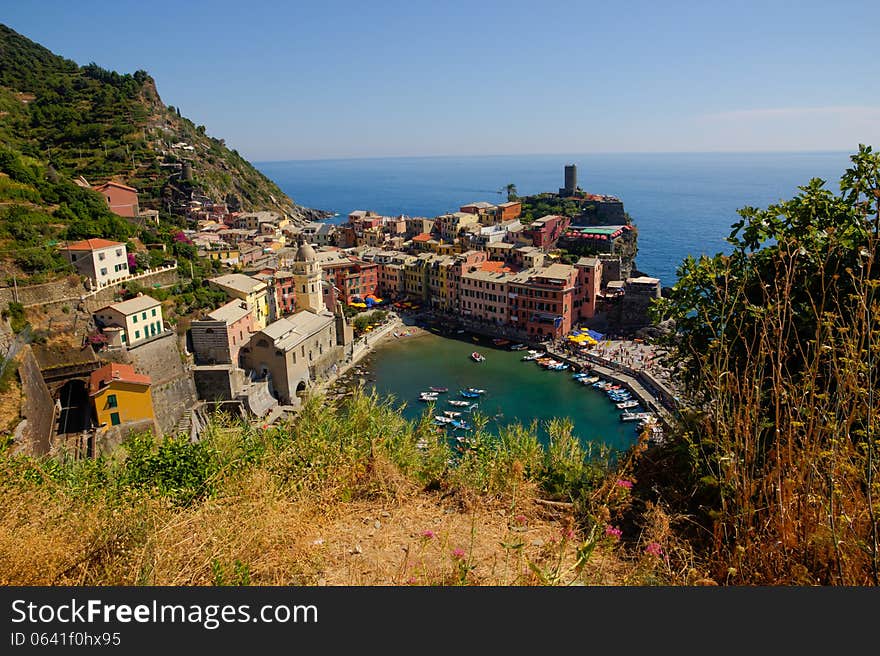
[(428, 534), (624, 483), (613, 532), (458, 553), (520, 519), (653, 549)]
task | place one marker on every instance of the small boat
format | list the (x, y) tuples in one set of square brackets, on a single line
[(474, 390), (439, 390), (460, 404), (459, 331), (500, 341), (627, 404), (477, 357), (427, 398), (460, 424), (590, 380), (635, 416), (468, 395), (443, 420), (518, 347), (451, 413), (533, 355)]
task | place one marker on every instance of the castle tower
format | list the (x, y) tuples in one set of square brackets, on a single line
[(571, 181), (307, 280)]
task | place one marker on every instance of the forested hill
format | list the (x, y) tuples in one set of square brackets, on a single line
[(84, 120)]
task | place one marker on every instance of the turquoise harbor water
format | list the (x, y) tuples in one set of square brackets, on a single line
[(683, 203), (515, 390)]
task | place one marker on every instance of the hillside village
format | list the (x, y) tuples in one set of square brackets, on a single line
[(286, 293)]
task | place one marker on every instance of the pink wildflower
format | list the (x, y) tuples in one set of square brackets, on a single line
[(428, 534), (458, 553), (520, 519), (568, 533), (624, 483), (653, 549), (613, 532)]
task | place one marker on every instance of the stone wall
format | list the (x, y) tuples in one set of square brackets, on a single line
[(109, 439), (38, 408), (69, 290), (218, 382)]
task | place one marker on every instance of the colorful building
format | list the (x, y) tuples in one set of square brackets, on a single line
[(128, 323), (218, 337), (541, 300), (119, 395), (121, 199), (254, 292), (100, 260)]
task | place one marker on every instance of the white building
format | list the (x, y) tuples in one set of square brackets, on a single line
[(100, 260), (130, 322)]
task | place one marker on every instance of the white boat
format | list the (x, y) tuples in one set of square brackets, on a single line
[(443, 420), (460, 404), (628, 404), (451, 413), (533, 355), (635, 416), (474, 390)]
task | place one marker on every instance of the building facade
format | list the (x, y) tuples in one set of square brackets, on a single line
[(100, 260)]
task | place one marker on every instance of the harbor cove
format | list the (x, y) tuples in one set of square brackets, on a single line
[(516, 391)]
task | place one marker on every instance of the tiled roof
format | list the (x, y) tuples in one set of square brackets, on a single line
[(92, 245), (115, 372)]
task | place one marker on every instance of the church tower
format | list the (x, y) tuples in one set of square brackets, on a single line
[(307, 280)]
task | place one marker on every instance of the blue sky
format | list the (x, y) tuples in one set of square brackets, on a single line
[(300, 80)]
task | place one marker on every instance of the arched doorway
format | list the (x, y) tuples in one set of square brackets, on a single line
[(301, 389)]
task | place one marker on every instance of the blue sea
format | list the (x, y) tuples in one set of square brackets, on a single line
[(683, 203)]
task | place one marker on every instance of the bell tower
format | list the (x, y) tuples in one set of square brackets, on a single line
[(307, 280)]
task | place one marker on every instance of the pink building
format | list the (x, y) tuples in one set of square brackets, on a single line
[(122, 199), (218, 337), (589, 283)]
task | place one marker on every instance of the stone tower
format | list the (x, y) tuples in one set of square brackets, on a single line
[(307, 280)]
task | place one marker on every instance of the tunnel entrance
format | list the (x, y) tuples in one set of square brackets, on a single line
[(76, 411)]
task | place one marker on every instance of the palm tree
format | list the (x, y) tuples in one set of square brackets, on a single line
[(511, 192)]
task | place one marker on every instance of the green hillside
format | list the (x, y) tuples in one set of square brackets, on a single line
[(88, 121)]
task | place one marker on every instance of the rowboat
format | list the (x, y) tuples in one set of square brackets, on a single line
[(460, 404), (477, 357), (518, 347), (627, 404), (439, 390), (451, 413), (440, 419), (474, 390), (533, 355), (468, 395)]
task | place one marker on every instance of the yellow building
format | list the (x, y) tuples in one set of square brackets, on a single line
[(119, 395), (254, 292)]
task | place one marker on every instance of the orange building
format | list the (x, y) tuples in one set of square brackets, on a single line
[(123, 200)]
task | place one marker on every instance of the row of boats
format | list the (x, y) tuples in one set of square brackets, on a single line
[(623, 400), (545, 361), (453, 418)]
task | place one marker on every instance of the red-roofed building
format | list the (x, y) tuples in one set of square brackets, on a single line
[(122, 199), (100, 260), (119, 395)]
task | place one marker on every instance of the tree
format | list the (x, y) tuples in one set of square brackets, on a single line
[(778, 345), (511, 192)]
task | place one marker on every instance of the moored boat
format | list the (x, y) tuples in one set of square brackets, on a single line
[(443, 420), (468, 395), (439, 390), (517, 347), (474, 390), (627, 404), (460, 404), (477, 357)]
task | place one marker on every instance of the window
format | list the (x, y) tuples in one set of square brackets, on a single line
[(123, 338), (114, 419), (137, 334), (144, 316), (101, 256), (103, 271), (111, 401), (118, 252), (134, 318), (154, 312)]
